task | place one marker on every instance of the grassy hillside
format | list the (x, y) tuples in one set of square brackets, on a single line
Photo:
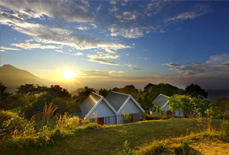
[(140, 136)]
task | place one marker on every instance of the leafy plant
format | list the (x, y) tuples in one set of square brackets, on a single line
[(126, 117)]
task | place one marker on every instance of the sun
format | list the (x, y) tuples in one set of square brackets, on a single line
[(68, 74)]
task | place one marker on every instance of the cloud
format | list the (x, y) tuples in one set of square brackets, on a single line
[(66, 10), (219, 59), (133, 67), (102, 58), (225, 65), (113, 2), (28, 45), (99, 7), (196, 11), (3, 49), (155, 7), (59, 51), (172, 64), (217, 64), (52, 35), (78, 54), (103, 61), (113, 9), (99, 74), (82, 28), (129, 16), (127, 32)]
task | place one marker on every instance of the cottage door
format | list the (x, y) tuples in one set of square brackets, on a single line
[(131, 118), (100, 120)]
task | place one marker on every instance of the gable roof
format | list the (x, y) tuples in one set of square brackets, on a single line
[(161, 100), (89, 103), (117, 99)]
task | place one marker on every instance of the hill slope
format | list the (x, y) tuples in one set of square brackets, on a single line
[(13, 77), (140, 135)]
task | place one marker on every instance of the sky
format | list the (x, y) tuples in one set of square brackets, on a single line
[(113, 43)]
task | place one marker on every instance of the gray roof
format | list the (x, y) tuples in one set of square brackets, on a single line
[(161, 100), (117, 99), (89, 103)]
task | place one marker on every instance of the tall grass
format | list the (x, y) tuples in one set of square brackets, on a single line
[(17, 132)]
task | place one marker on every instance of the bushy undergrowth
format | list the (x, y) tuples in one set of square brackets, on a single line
[(181, 146), (175, 146), (17, 132)]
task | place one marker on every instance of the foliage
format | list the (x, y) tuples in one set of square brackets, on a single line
[(67, 122), (125, 150), (129, 89), (157, 109), (225, 130), (151, 91), (104, 92), (17, 132), (3, 95), (126, 117), (196, 91), (189, 106), (58, 91), (183, 103), (11, 123), (220, 106), (151, 117)]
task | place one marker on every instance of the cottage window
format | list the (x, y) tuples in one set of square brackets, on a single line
[(107, 120)]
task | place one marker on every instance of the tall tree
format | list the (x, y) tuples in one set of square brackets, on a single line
[(183, 103), (196, 91), (58, 91), (221, 105), (130, 89), (104, 92)]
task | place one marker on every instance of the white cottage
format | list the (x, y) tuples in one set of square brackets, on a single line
[(162, 101), (125, 102), (96, 106), (109, 110)]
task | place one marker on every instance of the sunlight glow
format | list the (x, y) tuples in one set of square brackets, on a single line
[(68, 74)]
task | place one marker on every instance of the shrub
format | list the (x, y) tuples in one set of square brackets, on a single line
[(183, 149), (225, 130), (126, 150), (126, 117), (151, 117), (67, 122), (10, 122)]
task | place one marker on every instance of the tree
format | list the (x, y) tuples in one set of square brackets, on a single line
[(83, 95), (3, 92), (104, 92), (196, 91), (151, 91), (3, 96), (130, 89), (25, 89), (221, 105), (183, 103), (58, 91)]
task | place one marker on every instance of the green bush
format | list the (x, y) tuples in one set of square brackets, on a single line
[(178, 116), (151, 117), (10, 122), (183, 149)]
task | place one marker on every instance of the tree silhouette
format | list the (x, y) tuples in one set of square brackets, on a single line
[(196, 91)]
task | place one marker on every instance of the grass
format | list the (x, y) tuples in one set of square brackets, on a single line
[(140, 135)]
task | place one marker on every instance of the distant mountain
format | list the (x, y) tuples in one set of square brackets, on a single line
[(220, 93), (13, 77)]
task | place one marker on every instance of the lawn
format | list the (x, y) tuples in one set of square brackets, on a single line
[(108, 139)]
